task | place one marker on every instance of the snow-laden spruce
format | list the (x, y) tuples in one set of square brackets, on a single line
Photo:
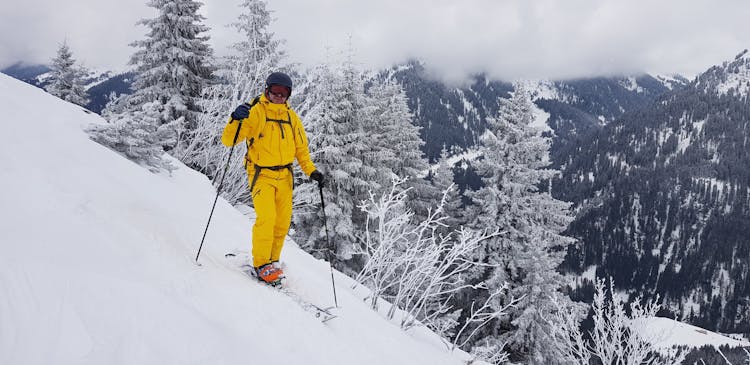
[(66, 80), (396, 146), (516, 202), (338, 144), (442, 177), (172, 66), (361, 139)]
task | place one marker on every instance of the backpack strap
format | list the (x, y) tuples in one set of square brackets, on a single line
[(251, 105), (252, 139), (249, 142), (281, 121)]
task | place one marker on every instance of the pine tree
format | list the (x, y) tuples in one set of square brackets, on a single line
[(338, 143), (395, 145), (137, 136), (66, 79), (251, 60), (172, 68), (530, 248), (173, 65), (443, 179)]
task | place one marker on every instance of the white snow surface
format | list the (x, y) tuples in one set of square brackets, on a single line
[(669, 81), (739, 80), (97, 264), (665, 333), (631, 84)]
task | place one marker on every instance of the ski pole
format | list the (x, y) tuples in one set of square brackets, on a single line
[(328, 239), (218, 189)]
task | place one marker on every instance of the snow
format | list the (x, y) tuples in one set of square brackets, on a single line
[(669, 81), (541, 89), (737, 78), (739, 83), (541, 119), (631, 84), (587, 277), (665, 333), (590, 273), (97, 264), (731, 77), (469, 155)]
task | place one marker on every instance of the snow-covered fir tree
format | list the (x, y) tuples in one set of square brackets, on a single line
[(173, 65), (442, 177), (251, 60), (67, 78), (395, 145), (530, 247), (138, 136), (338, 142), (241, 77)]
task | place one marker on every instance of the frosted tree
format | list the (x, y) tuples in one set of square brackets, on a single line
[(172, 68), (395, 145), (241, 77), (530, 248), (443, 180), (362, 140), (251, 60), (410, 265), (173, 65), (137, 136), (418, 271), (67, 79), (615, 337), (338, 142)]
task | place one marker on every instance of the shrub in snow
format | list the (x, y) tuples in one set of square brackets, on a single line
[(419, 270), (612, 339)]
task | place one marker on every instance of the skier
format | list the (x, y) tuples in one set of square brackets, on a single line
[(275, 137)]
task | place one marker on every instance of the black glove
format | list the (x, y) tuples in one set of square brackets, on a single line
[(317, 176), (242, 112)]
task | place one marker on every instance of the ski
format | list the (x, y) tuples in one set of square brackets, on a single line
[(324, 314)]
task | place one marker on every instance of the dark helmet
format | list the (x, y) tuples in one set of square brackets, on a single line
[(279, 78)]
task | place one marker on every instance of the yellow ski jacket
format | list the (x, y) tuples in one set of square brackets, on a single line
[(275, 137)]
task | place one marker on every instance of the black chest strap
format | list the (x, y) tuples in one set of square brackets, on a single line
[(281, 127), (281, 122)]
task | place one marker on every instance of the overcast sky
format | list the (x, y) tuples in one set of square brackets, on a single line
[(504, 38)]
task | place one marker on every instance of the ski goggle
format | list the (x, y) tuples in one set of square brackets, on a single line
[(278, 91)]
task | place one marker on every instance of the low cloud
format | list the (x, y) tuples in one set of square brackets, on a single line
[(504, 39)]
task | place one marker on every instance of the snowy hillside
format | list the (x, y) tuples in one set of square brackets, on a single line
[(97, 264), (729, 78), (666, 333)]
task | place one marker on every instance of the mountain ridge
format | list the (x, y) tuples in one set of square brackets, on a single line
[(662, 199)]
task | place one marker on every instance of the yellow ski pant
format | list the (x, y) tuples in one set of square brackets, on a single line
[(272, 198)]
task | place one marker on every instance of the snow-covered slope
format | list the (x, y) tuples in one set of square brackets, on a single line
[(96, 264), (731, 78), (666, 333)]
